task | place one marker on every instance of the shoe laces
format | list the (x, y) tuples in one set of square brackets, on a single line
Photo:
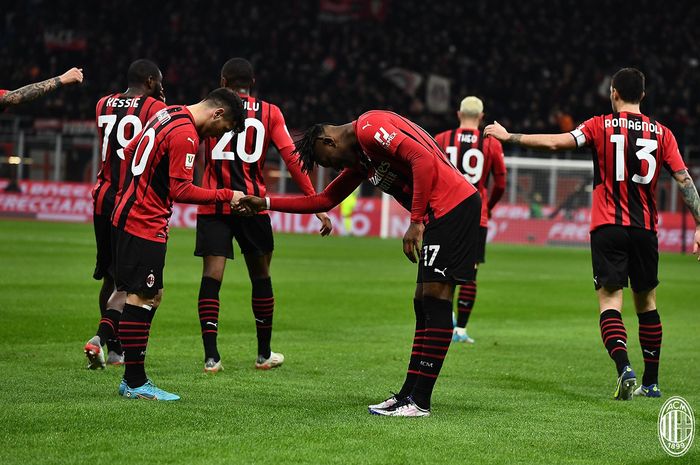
[(405, 402)]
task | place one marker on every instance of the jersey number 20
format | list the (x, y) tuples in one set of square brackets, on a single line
[(219, 152)]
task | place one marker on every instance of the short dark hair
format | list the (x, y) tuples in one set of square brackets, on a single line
[(305, 147), (629, 83), (140, 70), (232, 105), (238, 72)]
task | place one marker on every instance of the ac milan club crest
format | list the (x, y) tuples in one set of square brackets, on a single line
[(150, 280)]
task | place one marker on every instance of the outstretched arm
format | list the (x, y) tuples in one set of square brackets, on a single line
[(39, 89), (692, 200), (551, 142), (332, 195)]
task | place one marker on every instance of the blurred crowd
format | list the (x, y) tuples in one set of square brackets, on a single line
[(538, 65)]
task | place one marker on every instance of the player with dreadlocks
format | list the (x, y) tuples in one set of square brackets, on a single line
[(403, 160)]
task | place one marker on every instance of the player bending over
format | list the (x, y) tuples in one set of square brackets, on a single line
[(161, 160), (628, 150), (404, 161)]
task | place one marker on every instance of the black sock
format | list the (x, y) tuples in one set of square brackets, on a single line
[(263, 303), (134, 329), (208, 307), (650, 333), (465, 302), (108, 329), (414, 361), (614, 337), (438, 335)]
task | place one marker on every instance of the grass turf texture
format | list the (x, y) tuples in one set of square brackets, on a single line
[(535, 388)]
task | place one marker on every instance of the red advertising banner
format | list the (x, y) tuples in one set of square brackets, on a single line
[(63, 201)]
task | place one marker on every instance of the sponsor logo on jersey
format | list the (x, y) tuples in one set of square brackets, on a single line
[(383, 177)]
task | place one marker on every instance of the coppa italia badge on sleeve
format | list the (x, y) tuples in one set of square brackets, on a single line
[(676, 426), (189, 160)]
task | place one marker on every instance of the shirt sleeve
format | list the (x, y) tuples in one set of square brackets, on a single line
[(184, 191), (673, 161), (584, 133), (423, 170), (279, 134), (376, 133), (332, 195), (440, 139), (498, 168), (155, 108), (182, 151)]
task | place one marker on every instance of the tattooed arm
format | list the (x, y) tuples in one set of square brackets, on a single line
[(551, 142), (692, 200), (33, 91)]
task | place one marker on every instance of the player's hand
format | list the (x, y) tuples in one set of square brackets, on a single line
[(161, 95), (72, 76), (496, 131), (236, 207), (696, 243), (326, 223), (249, 205), (412, 241)]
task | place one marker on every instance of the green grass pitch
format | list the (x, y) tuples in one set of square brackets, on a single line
[(535, 388)]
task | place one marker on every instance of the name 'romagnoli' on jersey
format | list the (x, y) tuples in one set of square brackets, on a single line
[(634, 125)]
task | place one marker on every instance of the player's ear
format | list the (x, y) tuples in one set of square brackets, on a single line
[(222, 83), (219, 113)]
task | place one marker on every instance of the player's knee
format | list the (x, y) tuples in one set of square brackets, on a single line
[(214, 268), (158, 298), (117, 300), (145, 298), (258, 266), (645, 301), (439, 290), (419, 292)]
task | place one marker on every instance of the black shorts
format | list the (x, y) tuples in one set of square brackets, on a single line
[(138, 264), (215, 235), (103, 240), (450, 245), (481, 245), (620, 253)]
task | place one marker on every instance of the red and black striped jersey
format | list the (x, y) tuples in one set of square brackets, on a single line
[(236, 161), (161, 160), (119, 119), (400, 158), (628, 150), (476, 157)]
